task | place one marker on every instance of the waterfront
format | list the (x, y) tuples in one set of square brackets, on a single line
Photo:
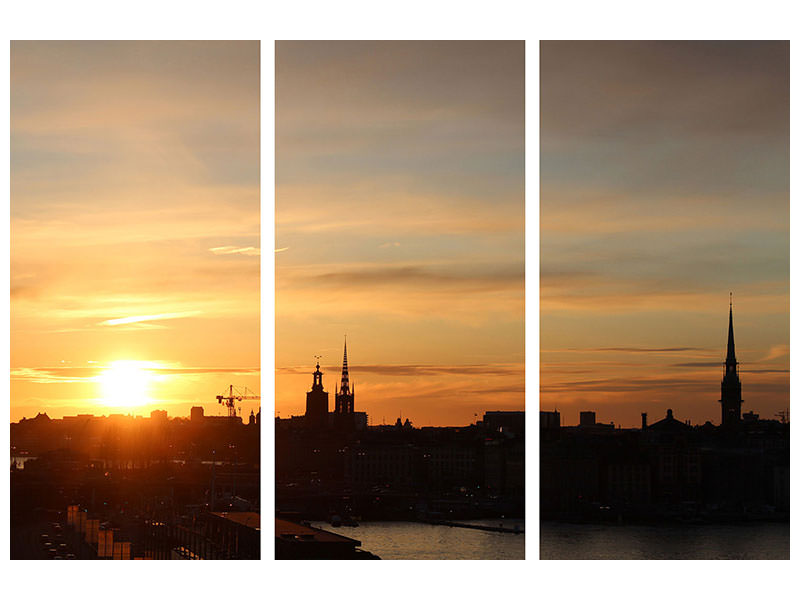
[(753, 541), (399, 540)]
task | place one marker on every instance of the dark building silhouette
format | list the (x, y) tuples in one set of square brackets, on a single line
[(334, 466), (345, 396), (669, 471), (549, 420), (317, 403), (153, 483), (343, 416), (731, 399), (588, 418), (504, 420)]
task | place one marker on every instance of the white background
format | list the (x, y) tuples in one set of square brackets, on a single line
[(411, 19)]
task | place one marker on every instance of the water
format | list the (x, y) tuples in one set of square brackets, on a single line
[(420, 541), (747, 541)]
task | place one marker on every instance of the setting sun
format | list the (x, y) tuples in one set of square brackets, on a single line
[(126, 383)]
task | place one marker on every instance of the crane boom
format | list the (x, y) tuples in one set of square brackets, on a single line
[(231, 398)]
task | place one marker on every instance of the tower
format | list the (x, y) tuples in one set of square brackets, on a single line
[(731, 399), (317, 402), (345, 395)]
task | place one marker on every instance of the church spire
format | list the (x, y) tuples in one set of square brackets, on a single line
[(344, 395), (731, 357), (345, 387), (731, 385)]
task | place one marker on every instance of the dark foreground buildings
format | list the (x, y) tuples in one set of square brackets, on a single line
[(669, 470), (132, 487), (333, 466)]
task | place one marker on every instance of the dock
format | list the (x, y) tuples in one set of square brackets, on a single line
[(498, 529)]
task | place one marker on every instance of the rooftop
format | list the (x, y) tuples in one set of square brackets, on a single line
[(248, 519), (295, 532)]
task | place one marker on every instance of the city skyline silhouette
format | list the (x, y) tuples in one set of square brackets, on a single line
[(135, 297), (696, 478), (664, 199), (400, 262), (336, 467)]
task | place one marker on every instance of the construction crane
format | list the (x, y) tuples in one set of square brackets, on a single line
[(233, 395)]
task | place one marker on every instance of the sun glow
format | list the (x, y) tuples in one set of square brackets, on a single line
[(126, 383)]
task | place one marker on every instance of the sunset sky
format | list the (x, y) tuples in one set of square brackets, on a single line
[(664, 186), (134, 226), (400, 222)]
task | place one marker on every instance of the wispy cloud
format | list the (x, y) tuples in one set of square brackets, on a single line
[(634, 350), (54, 374), (73, 374), (141, 318), (696, 385), (246, 251), (776, 351), (513, 370), (472, 293), (479, 276), (360, 210)]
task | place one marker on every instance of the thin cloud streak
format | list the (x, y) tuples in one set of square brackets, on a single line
[(87, 374), (246, 251), (404, 275), (418, 370), (696, 385), (127, 320), (634, 350), (777, 351)]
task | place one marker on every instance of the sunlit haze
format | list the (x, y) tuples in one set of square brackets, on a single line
[(134, 226), (664, 187), (400, 223)]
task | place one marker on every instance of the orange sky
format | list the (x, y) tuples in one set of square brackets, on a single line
[(134, 225), (664, 186), (400, 222)]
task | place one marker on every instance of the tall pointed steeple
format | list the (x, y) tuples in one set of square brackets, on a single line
[(731, 399), (731, 348), (345, 387), (345, 395)]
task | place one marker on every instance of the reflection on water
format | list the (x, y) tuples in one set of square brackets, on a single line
[(748, 541), (420, 541)]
